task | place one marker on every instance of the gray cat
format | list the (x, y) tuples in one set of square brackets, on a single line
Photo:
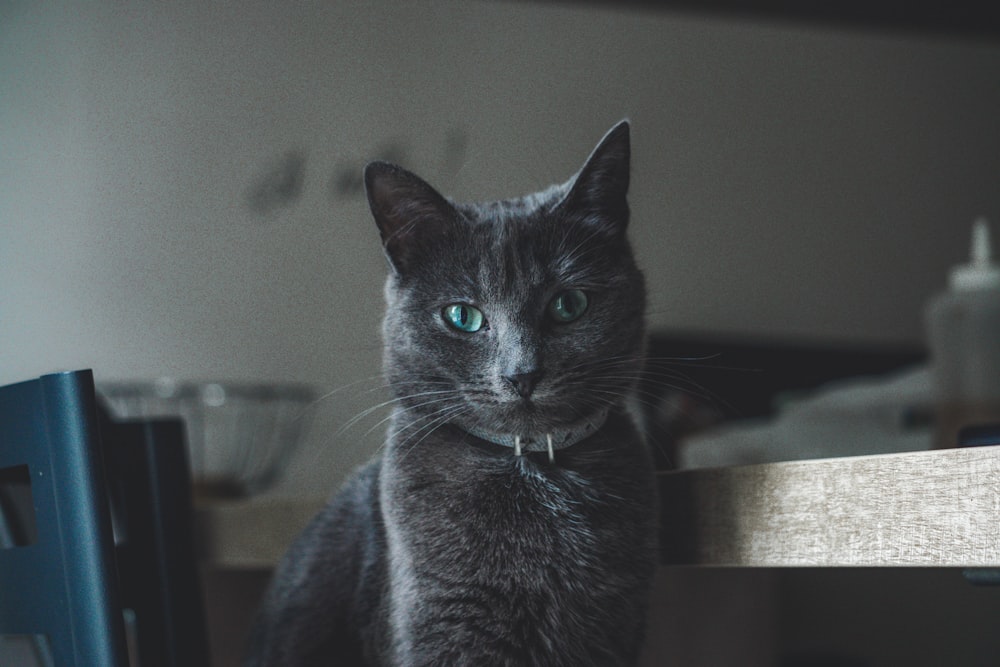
[(511, 519)]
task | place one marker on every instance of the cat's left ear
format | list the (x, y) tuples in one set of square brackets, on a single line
[(598, 192), (409, 213)]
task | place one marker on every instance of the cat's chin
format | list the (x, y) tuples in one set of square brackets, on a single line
[(528, 417), (538, 435)]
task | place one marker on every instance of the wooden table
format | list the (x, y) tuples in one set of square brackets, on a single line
[(937, 508)]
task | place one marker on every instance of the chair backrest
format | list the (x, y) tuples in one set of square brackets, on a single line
[(154, 528), (58, 582)]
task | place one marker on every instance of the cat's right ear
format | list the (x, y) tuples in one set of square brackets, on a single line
[(598, 193), (409, 212)]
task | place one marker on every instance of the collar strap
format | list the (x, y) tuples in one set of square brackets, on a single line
[(549, 441)]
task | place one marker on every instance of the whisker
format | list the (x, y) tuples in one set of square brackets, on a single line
[(395, 400), (323, 397), (405, 408), (386, 384), (445, 415), (697, 363), (662, 373), (685, 386)]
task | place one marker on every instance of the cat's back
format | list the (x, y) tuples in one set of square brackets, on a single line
[(325, 596)]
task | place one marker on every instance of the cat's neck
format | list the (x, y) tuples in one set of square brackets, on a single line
[(547, 441)]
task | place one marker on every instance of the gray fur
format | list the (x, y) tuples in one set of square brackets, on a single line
[(451, 550)]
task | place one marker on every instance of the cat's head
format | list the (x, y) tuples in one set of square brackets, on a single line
[(522, 316)]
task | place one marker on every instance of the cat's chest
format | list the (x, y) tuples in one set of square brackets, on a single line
[(509, 514)]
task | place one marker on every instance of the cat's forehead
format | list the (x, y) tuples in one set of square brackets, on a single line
[(522, 230), (512, 211), (508, 253)]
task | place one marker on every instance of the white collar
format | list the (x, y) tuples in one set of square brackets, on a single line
[(549, 441)]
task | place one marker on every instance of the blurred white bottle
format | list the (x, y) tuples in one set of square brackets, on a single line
[(963, 328)]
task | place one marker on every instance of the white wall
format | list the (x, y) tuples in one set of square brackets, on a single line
[(787, 181)]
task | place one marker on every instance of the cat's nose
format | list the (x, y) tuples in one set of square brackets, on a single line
[(524, 383)]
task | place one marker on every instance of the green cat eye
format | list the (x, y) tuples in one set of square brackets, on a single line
[(463, 317), (568, 306)]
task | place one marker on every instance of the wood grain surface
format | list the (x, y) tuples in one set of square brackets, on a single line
[(935, 508)]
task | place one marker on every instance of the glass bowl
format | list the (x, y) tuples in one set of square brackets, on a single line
[(240, 437)]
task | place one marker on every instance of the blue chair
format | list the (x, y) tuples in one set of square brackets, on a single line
[(58, 581), (95, 518)]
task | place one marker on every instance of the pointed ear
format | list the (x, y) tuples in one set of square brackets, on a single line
[(598, 192), (407, 210)]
